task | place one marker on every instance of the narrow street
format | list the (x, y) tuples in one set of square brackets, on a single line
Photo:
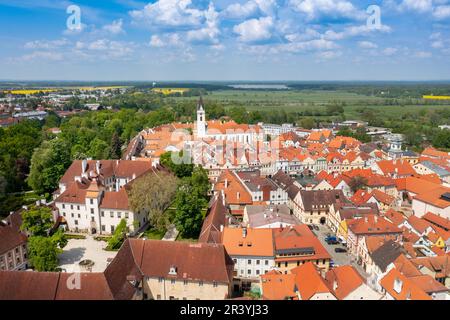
[(339, 259)]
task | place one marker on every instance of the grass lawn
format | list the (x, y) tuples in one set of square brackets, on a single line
[(154, 234)]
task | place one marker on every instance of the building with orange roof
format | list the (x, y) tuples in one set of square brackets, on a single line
[(436, 201), (396, 217), (310, 284), (394, 168), (438, 267), (396, 286), (235, 193), (348, 284), (434, 153), (367, 226), (252, 251), (297, 245), (276, 285)]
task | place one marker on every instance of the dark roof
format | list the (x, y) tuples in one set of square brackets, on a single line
[(386, 254), (24, 285), (122, 267), (27, 285), (215, 218), (193, 261), (351, 211), (292, 192), (10, 234), (283, 179), (319, 198)]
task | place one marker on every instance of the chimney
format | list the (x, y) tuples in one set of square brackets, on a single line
[(244, 232), (398, 285), (226, 183), (97, 167), (83, 166), (238, 195)]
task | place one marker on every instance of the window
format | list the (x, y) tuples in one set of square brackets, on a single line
[(257, 262), (126, 215), (78, 207), (235, 261), (249, 271), (103, 213), (119, 215), (92, 210), (112, 229), (111, 214), (267, 262), (63, 206), (257, 272), (71, 207), (215, 284), (91, 201), (200, 283), (103, 227), (249, 261), (160, 279), (79, 215), (76, 222), (172, 281), (72, 215), (185, 282), (158, 297)]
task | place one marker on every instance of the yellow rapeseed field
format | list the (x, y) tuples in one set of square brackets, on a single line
[(29, 91), (437, 97), (167, 91)]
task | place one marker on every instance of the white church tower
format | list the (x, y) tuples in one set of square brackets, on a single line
[(201, 121)]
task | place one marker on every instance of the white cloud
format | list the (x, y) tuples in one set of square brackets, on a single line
[(210, 32), (367, 45), (173, 13), (255, 30), (41, 55), (417, 5), (249, 8), (423, 54), (328, 8), (389, 51), (328, 55), (115, 27), (442, 12), (354, 31), (43, 44), (156, 42)]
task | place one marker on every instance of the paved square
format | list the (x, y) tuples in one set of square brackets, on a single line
[(89, 248)]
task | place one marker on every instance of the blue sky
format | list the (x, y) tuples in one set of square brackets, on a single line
[(225, 40)]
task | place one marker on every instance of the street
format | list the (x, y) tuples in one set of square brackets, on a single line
[(339, 259)]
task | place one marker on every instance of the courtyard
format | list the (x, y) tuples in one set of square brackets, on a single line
[(78, 250)]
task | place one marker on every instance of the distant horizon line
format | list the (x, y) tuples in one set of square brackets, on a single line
[(225, 81)]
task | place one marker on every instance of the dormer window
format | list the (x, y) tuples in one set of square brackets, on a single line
[(173, 271)]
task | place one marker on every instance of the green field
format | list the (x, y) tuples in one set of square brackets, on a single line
[(313, 100)]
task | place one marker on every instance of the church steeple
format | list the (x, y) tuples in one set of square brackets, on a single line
[(201, 118)]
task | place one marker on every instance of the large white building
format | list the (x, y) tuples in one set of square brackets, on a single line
[(93, 198)]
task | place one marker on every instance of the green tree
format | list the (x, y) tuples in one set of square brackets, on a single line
[(153, 193), (48, 164), (119, 236), (37, 221), (181, 170), (43, 247), (188, 215), (116, 146), (357, 182)]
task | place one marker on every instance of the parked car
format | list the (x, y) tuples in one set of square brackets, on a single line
[(332, 242), (316, 227), (330, 238), (340, 250), (310, 227)]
